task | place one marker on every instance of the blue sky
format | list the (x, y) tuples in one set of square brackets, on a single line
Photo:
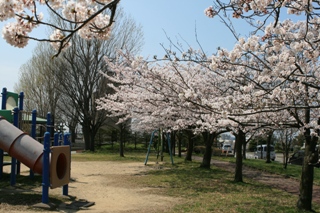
[(178, 19)]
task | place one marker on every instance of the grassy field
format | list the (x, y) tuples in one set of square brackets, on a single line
[(200, 190), (292, 171)]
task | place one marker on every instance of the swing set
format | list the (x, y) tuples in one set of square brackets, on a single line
[(159, 146)]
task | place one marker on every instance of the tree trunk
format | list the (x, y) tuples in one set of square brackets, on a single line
[(114, 137), (190, 146), (122, 140), (86, 137), (310, 156), (244, 150), (208, 138), (268, 159), (285, 147), (173, 143), (240, 139), (73, 133), (306, 181), (284, 159), (121, 149), (92, 144), (179, 143)]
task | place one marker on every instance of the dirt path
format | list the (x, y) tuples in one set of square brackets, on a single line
[(107, 186)]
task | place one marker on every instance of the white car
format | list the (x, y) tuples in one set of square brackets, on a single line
[(226, 148), (261, 152)]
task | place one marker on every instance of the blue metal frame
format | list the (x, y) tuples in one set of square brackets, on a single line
[(56, 139), (45, 169), (33, 131), (49, 128), (150, 143), (66, 142), (3, 106), (149, 148), (13, 160)]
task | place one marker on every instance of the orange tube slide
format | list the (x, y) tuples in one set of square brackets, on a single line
[(21, 146)]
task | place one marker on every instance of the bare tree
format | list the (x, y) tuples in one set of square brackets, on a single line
[(75, 76), (285, 138), (80, 80), (39, 87)]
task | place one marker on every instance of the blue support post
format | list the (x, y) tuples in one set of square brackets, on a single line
[(21, 97), (49, 122), (49, 127), (61, 138), (33, 131), (13, 160), (33, 123), (3, 106), (150, 143), (46, 169), (4, 98), (56, 139), (66, 142)]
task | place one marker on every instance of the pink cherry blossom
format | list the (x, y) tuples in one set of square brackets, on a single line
[(87, 18)]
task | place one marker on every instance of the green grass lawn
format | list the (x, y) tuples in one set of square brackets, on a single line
[(293, 171), (213, 190)]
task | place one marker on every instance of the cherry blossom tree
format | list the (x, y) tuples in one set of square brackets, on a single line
[(279, 70), (259, 13), (268, 82), (89, 19), (174, 94)]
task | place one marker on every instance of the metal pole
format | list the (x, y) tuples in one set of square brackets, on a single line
[(33, 123), (4, 98), (3, 106), (61, 139), (45, 169), (21, 97), (13, 160), (158, 145), (56, 139), (66, 142), (49, 122), (162, 144), (150, 143), (33, 131)]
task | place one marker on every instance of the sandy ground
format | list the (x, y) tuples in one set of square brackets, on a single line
[(106, 185)]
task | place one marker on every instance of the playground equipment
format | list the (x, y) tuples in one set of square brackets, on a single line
[(159, 144), (20, 146), (24, 148), (53, 163)]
